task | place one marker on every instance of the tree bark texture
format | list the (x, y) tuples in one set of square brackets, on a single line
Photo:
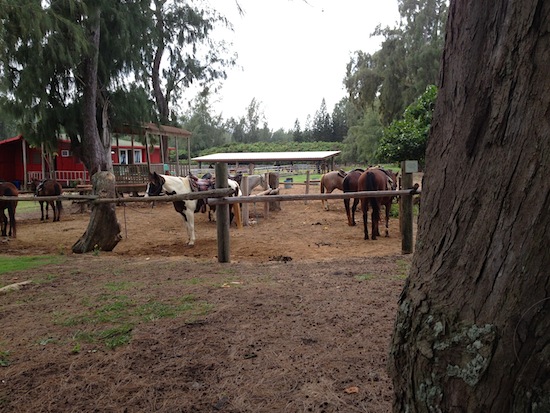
[(103, 232), (473, 328)]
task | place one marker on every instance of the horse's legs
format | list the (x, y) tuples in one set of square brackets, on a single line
[(353, 209), (351, 222), (54, 210), (41, 210), (324, 201), (365, 209), (13, 228), (59, 207), (3, 222), (189, 218)]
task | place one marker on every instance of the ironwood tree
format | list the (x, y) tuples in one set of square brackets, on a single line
[(179, 29), (473, 327)]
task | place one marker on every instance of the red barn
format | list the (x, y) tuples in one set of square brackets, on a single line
[(20, 162)]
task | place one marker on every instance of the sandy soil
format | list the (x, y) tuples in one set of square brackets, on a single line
[(299, 321)]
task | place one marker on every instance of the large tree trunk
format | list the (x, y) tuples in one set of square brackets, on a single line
[(101, 232), (473, 327)]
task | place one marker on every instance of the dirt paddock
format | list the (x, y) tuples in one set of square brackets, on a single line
[(299, 321)]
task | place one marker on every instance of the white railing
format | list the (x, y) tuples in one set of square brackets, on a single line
[(66, 178)]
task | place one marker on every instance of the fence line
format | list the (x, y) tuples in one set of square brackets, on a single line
[(217, 197), (220, 196)]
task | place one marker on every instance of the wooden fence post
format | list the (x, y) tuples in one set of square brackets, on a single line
[(222, 215), (406, 212)]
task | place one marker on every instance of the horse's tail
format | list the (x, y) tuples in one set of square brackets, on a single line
[(322, 184), (11, 211), (371, 186), (346, 185), (58, 190)]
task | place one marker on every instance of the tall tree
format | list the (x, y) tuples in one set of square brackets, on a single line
[(51, 81), (362, 140), (181, 37), (339, 121), (322, 128), (472, 330), (407, 62), (207, 129)]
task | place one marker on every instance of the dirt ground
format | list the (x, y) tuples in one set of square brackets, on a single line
[(299, 321)]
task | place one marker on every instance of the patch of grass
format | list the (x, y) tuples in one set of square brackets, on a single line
[(365, 277), (394, 210), (404, 268), (27, 207), (194, 281), (116, 336), (11, 264), (4, 358), (47, 340), (122, 313)]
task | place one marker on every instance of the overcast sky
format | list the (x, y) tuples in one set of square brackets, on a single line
[(293, 53)]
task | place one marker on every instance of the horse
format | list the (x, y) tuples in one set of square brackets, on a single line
[(376, 179), (48, 187), (8, 189), (254, 181), (331, 181), (236, 192), (350, 184), (171, 185)]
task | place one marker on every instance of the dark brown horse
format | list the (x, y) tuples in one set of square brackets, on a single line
[(331, 181), (351, 184), (8, 189), (376, 179), (48, 187)]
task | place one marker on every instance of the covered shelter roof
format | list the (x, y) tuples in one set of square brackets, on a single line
[(253, 157)]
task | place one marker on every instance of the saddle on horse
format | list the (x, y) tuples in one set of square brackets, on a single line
[(201, 184)]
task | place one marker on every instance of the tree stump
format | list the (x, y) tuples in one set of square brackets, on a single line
[(103, 232)]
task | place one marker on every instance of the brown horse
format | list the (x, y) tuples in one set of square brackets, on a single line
[(48, 187), (331, 181), (376, 179), (8, 189), (350, 184)]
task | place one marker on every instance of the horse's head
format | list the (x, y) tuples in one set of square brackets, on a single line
[(154, 187), (238, 177)]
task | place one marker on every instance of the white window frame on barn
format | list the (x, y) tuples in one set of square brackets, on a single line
[(138, 156), (65, 153), (121, 153)]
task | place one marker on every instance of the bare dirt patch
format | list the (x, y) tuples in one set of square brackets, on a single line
[(260, 334)]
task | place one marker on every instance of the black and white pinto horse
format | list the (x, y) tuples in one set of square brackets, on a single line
[(171, 185)]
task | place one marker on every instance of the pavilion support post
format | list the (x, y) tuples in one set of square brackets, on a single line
[(24, 152), (178, 169), (222, 215), (189, 155), (147, 152), (43, 161), (307, 185)]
